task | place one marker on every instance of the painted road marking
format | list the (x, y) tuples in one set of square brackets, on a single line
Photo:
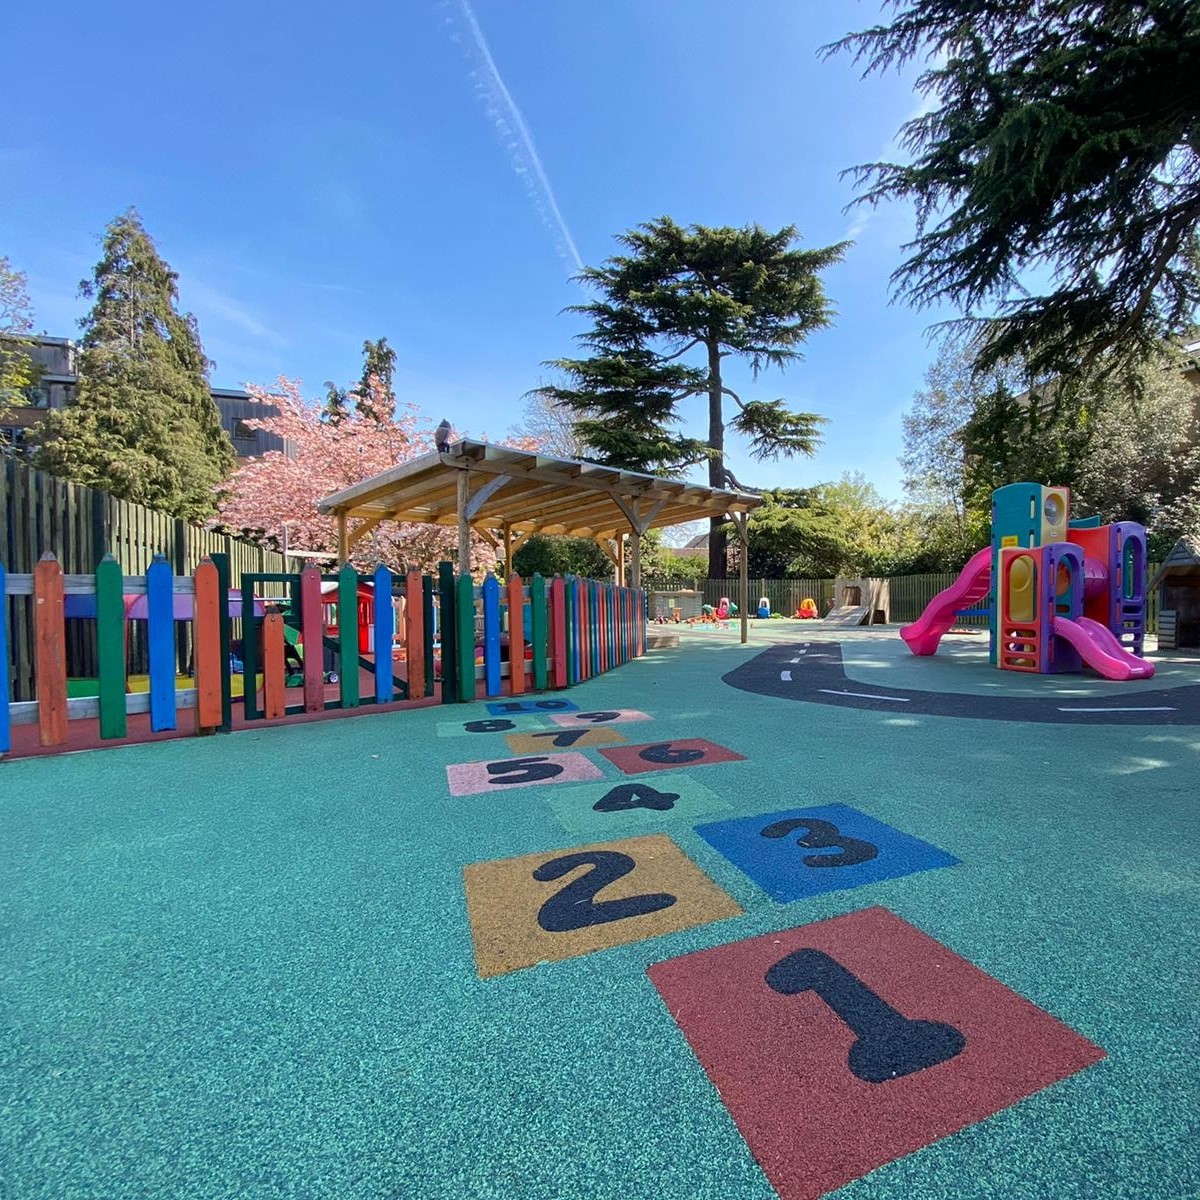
[(557, 904), (864, 695), (786, 676), (1151, 708), (842, 1045), (546, 741)]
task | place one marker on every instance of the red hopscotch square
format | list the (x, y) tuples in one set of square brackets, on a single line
[(780, 1063), (668, 755)]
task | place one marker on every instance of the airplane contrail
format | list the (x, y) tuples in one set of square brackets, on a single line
[(508, 122)]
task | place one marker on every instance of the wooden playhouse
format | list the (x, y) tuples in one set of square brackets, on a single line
[(1178, 584)]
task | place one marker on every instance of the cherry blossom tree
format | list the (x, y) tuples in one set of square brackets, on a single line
[(274, 493)]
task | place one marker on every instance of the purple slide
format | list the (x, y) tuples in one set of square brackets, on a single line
[(1099, 648), (974, 582)]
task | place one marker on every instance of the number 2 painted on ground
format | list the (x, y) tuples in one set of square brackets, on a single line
[(823, 835), (576, 907), (890, 1045)]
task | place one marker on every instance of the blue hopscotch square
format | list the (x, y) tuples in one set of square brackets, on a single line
[(806, 851)]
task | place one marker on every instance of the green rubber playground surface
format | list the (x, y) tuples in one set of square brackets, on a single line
[(249, 966)]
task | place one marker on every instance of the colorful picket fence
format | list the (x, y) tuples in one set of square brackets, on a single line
[(470, 641)]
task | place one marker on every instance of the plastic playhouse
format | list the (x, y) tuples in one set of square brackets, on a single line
[(1063, 594)]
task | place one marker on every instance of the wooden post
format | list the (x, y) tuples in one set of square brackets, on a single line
[(385, 634), (742, 521), (311, 632), (635, 567), (507, 550), (206, 639), (464, 523), (347, 611), (274, 692), (343, 539), (5, 720), (516, 635), (50, 651), (620, 560), (110, 647), (414, 634)]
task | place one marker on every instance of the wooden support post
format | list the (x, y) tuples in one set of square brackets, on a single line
[(620, 560), (343, 539), (635, 566), (742, 522), (464, 523), (507, 550)]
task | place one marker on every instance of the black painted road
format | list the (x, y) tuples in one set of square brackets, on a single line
[(812, 672)]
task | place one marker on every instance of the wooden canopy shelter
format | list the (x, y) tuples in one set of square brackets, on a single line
[(505, 494)]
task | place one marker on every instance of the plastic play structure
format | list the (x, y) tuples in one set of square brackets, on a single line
[(1063, 594)]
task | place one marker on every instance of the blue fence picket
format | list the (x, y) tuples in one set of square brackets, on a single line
[(160, 613), (491, 636), (5, 728), (385, 632), (576, 629), (594, 619)]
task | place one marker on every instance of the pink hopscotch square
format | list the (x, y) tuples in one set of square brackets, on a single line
[(503, 774), (842, 1045), (668, 755)]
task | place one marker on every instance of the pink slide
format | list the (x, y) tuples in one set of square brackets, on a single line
[(974, 582), (1099, 648)]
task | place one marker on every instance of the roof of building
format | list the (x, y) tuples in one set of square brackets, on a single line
[(529, 492), (1184, 559)]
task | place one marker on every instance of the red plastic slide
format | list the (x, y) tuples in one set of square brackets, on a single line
[(1100, 649), (973, 583)]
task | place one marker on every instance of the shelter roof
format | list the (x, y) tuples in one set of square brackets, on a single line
[(1184, 559), (529, 492)]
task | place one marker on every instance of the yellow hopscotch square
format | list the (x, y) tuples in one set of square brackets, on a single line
[(550, 741), (557, 904)]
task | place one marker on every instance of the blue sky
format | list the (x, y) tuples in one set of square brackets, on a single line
[(434, 173)]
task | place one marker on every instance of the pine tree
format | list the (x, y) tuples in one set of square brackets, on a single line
[(143, 424), (336, 409), (720, 292), (375, 398), (1060, 143)]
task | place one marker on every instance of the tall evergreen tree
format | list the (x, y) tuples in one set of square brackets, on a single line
[(375, 397), (336, 404), (143, 424), (718, 292), (1061, 143)]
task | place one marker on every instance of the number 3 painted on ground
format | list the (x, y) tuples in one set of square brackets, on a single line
[(823, 835)]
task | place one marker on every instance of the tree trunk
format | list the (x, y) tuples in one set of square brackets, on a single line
[(717, 566)]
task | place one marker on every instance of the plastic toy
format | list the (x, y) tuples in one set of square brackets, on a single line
[(764, 607), (1064, 594), (808, 609)]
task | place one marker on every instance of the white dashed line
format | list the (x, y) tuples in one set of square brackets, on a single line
[(1159, 708), (786, 676), (864, 695)]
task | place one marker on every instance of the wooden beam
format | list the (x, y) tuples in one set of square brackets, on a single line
[(343, 540), (484, 494)]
